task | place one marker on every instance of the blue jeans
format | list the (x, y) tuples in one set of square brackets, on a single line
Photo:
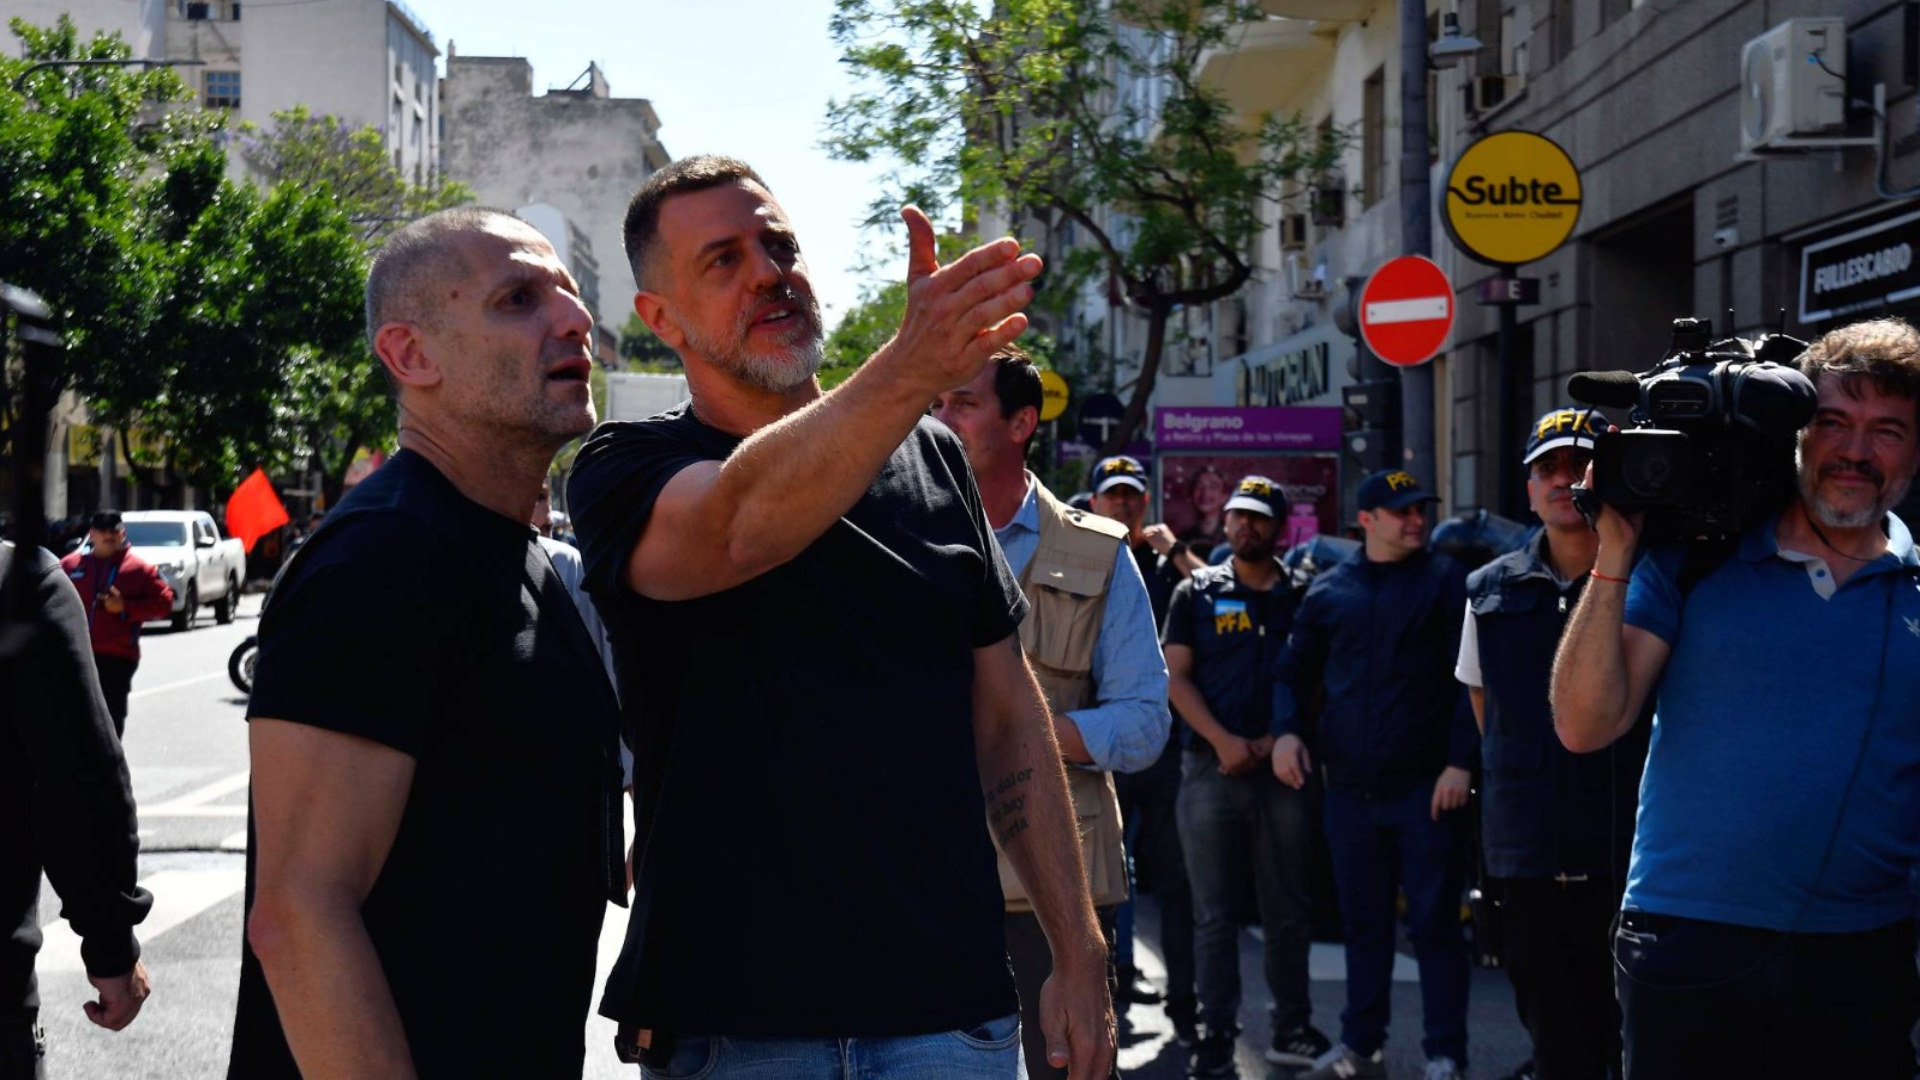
[(1230, 826), (990, 1051), (1380, 846)]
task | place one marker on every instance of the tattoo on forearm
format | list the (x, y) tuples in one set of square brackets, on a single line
[(1007, 805)]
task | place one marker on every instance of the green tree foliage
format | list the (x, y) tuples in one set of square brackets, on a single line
[(308, 151), (221, 321), (643, 351), (182, 297), (80, 213), (1026, 105), (865, 327), (336, 400)]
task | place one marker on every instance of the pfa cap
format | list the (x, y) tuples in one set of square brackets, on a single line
[(1116, 470), (1563, 427), (1395, 489), (1260, 495)]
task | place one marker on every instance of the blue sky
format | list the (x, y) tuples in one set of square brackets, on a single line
[(749, 78)]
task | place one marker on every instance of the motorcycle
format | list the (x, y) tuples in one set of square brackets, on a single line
[(240, 664)]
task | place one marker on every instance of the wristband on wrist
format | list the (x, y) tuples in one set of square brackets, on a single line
[(1597, 575)]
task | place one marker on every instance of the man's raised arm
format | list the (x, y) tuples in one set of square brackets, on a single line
[(718, 524), (1605, 669), (1031, 815)]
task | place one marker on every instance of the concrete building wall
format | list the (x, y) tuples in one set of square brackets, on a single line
[(582, 152), (141, 23), (1673, 224), (370, 62)]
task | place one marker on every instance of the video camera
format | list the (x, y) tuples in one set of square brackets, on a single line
[(1710, 452)]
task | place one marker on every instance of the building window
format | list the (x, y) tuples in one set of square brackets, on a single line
[(1562, 30), (223, 90), (209, 10), (1373, 138)]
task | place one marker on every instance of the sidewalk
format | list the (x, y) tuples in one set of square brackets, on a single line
[(1496, 1041)]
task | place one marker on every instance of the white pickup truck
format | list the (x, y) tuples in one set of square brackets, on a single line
[(199, 566)]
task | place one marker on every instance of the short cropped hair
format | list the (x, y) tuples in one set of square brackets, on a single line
[(1016, 382), (1882, 352), (680, 178), (412, 262)]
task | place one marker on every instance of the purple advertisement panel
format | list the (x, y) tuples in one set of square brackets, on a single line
[(1194, 488), (1239, 427)]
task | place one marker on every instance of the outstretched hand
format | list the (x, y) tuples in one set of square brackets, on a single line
[(958, 314)]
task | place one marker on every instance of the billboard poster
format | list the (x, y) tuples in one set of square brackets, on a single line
[(1194, 487)]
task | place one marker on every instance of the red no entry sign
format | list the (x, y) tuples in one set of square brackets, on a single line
[(1406, 311)]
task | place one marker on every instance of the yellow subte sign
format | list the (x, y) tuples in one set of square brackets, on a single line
[(1512, 197), (1053, 395)]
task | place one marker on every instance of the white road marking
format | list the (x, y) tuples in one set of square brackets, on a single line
[(164, 687), (178, 895), (1419, 309), (236, 842), (198, 803)]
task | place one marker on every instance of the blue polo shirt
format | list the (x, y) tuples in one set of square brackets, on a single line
[(1779, 688)]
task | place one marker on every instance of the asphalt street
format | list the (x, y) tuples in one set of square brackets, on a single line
[(186, 745)]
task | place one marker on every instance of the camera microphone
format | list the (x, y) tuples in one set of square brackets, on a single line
[(1607, 389)]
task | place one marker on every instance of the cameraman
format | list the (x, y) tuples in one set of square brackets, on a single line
[(1767, 928)]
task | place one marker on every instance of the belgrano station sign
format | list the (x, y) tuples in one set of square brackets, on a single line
[(1512, 197)]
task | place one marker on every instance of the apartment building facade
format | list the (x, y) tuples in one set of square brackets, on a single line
[(578, 151), (1759, 193)]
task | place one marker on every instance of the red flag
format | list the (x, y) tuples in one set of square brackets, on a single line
[(254, 510)]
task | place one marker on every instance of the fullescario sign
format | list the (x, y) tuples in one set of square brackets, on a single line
[(1512, 197)]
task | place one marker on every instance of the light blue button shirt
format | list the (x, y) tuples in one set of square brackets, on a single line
[(1127, 726)]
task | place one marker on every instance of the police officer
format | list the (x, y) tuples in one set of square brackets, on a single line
[(1380, 634), (1556, 826), (1224, 633)]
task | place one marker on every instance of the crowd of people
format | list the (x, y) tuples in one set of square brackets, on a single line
[(899, 724)]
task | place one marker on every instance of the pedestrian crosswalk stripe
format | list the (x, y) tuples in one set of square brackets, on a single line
[(151, 690), (178, 895), (201, 802)]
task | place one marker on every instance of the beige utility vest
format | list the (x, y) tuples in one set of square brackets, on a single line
[(1066, 587)]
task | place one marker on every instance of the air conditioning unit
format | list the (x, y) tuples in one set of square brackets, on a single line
[(1293, 232), (1793, 84)]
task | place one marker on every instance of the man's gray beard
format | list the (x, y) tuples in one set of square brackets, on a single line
[(778, 373), (1834, 519)]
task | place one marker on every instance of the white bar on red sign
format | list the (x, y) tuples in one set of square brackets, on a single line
[(1419, 309)]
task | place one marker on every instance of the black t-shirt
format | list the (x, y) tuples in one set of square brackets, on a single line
[(1236, 635), (423, 621), (815, 859)]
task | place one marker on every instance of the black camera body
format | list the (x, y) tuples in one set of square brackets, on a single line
[(1709, 452)]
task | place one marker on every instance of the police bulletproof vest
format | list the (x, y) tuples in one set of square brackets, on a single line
[(1066, 587)]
